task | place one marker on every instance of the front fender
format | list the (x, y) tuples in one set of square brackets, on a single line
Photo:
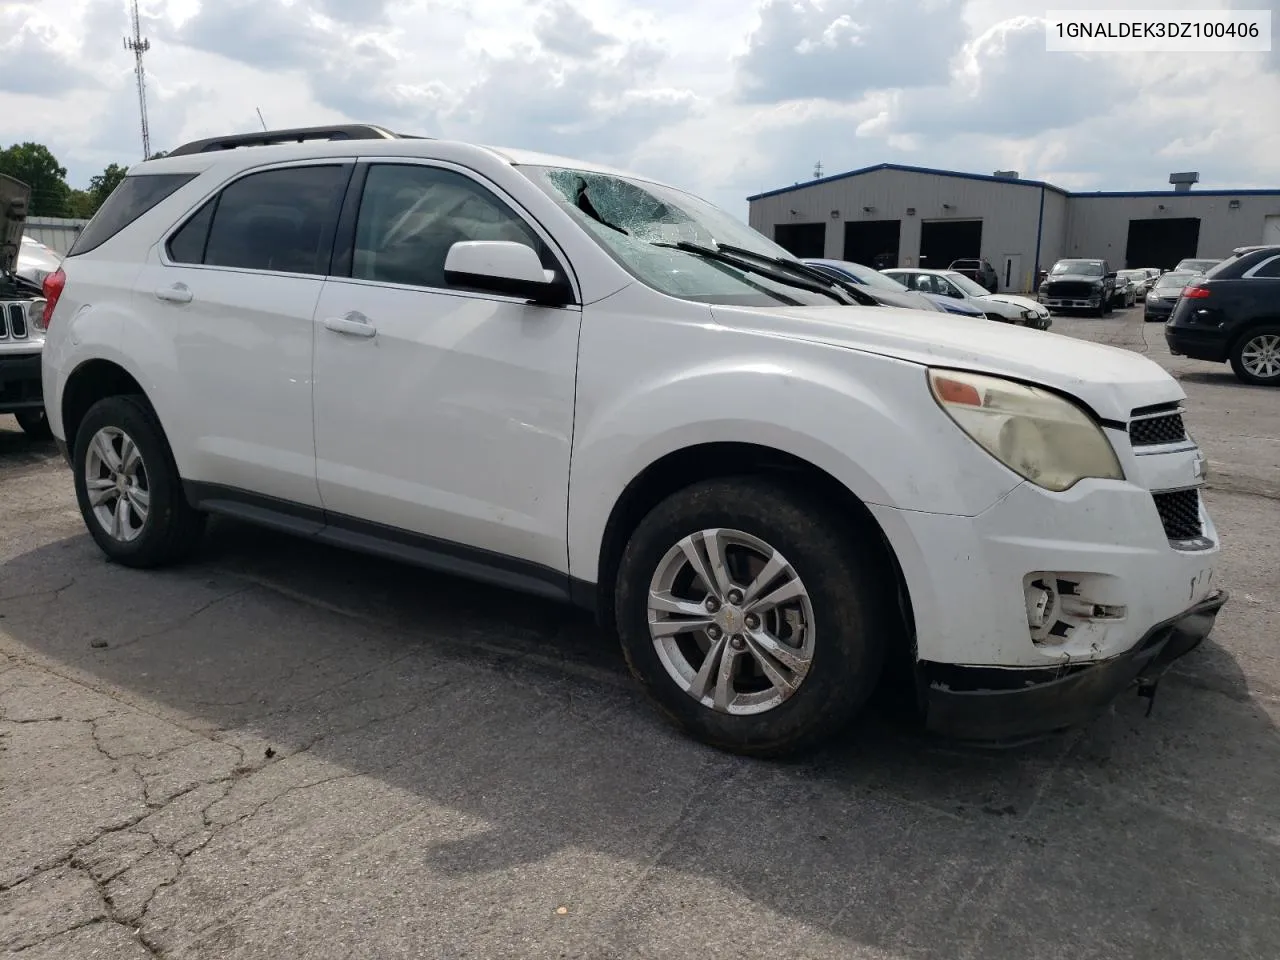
[(869, 422)]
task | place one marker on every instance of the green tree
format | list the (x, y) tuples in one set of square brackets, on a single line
[(34, 165), (100, 187), (81, 204)]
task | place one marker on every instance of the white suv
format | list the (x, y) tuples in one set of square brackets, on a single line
[(581, 383)]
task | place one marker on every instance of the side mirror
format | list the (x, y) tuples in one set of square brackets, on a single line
[(1110, 276), (505, 267)]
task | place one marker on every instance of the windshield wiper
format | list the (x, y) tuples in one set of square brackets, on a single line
[(848, 286), (743, 264)]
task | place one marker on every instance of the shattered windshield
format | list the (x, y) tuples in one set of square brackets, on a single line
[(635, 220)]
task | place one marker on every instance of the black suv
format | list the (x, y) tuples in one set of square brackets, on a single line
[(980, 271), (1232, 314), (1079, 284)]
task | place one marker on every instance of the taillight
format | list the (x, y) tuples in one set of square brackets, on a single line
[(53, 285), (1195, 293)]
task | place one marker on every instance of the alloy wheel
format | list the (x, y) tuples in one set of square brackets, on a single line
[(1261, 356), (731, 621), (117, 485)]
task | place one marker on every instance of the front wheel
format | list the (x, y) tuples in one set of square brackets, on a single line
[(756, 619), (1256, 358), (34, 423), (128, 487)]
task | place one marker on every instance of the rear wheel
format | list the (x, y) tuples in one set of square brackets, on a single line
[(1256, 358), (128, 487), (34, 423), (755, 618)]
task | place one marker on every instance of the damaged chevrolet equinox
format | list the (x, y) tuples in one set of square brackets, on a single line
[(585, 384)]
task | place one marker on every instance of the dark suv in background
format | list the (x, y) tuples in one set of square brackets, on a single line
[(1079, 284), (980, 271), (1232, 314)]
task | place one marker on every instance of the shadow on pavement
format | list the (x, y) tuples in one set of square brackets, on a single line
[(513, 761)]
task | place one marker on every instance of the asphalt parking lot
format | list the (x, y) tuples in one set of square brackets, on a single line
[(282, 750)]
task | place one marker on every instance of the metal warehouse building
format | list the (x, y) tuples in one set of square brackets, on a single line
[(916, 216)]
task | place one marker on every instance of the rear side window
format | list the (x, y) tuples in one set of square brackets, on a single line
[(279, 220), (1270, 270), (135, 195)]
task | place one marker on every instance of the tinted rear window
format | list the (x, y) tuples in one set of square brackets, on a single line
[(134, 196)]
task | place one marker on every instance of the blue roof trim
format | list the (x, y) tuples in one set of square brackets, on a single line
[(904, 168), (932, 171), (1274, 192)]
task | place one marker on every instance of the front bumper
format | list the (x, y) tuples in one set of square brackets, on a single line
[(1061, 303), (20, 383), (991, 705)]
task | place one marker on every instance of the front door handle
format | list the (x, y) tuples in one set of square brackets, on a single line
[(178, 293), (354, 324)]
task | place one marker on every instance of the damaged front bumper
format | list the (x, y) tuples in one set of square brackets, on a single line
[(994, 704)]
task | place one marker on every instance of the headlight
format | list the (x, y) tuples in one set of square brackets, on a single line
[(1037, 434), (1029, 314), (1098, 284), (35, 315)]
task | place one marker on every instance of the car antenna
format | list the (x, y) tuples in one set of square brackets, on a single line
[(260, 120)]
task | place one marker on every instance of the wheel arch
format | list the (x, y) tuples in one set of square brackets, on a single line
[(1247, 328), (91, 381), (680, 468)]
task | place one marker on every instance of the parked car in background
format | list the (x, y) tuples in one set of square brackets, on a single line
[(888, 292), (1164, 294), (1079, 284), (1139, 280), (1125, 294), (1232, 313), (36, 261), (1196, 264), (887, 289), (620, 396), (980, 271), (1002, 307), (21, 315)]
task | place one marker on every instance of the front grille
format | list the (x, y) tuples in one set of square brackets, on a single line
[(1150, 431), (13, 321), (1069, 289), (1180, 513)]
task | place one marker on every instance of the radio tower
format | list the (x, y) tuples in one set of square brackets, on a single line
[(139, 46)]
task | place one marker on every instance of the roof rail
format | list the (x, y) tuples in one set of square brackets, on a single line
[(347, 131)]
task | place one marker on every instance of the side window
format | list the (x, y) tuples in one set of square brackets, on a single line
[(947, 288), (134, 196), (277, 220), (187, 245), (1269, 270), (411, 215)]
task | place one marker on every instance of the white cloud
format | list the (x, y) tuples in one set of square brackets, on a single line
[(720, 96)]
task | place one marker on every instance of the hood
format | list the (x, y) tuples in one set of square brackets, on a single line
[(1075, 277), (1111, 380), (14, 197), (36, 261), (952, 305), (905, 298), (1024, 303)]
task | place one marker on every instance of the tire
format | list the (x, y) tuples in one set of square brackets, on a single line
[(169, 529), (847, 610), (1255, 358), (34, 423)]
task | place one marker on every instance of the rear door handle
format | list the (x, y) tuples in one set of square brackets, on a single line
[(178, 293), (354, 324)]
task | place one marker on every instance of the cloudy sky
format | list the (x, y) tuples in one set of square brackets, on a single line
[(724, 97)]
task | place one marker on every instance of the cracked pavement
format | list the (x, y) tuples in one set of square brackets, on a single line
[(285, 750)]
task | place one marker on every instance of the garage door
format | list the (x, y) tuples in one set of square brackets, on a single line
[(1161, 242), (802, 239), (872, 242), (944, 241), (1271, 230)]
